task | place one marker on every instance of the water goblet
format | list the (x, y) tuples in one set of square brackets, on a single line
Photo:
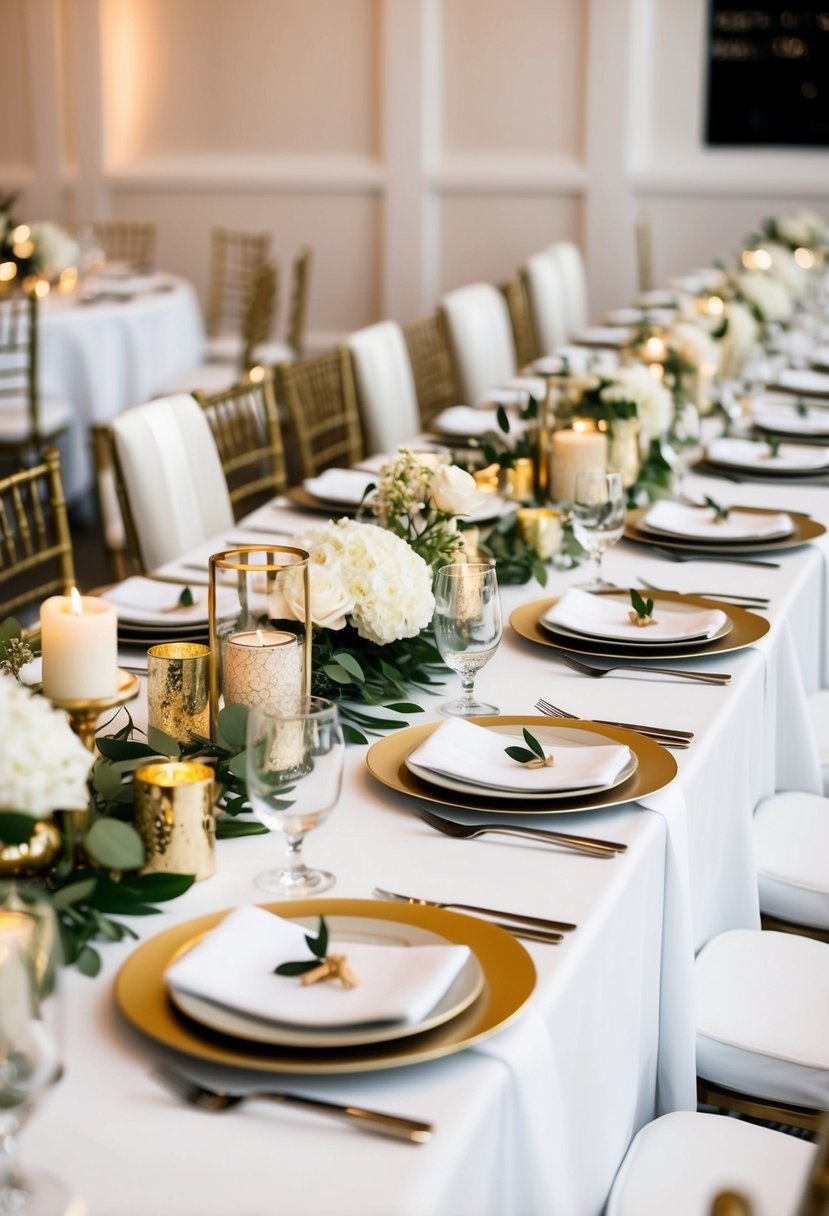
[(29, 1043), (467, 624), (294, 765), (598, 518)]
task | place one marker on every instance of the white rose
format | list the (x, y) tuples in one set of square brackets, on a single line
[(454, 491), (330, 602), (767, 294)]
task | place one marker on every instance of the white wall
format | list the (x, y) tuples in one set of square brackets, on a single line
[(416, 144)]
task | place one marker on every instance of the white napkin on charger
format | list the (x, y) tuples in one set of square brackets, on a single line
[(346, 486), (473, 753), (233, 966), (605, 335), (749, 453), (820, 358), (804, 380), (680, 520), (578, 359), (639, 316), (143, 601), (814, 423), (603, 617), (465, 422)]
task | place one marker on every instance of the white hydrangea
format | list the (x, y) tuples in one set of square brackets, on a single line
[(803, 228), (767, 294), (43, 764), (54, 249), (784, 267), (363, 575), (653, 401), (740, 339), (693, 345)]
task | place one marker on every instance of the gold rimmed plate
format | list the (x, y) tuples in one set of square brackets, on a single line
[(747, 629), (508, 972), (300, 497), (655, 768), (466, 988), (805, 530)]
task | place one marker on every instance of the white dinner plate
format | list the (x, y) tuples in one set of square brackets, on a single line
[(546, 735), (464, 990), (561, 631)]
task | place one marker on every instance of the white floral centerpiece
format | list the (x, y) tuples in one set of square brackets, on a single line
[(43, 764), (799, 230), (39, 249)]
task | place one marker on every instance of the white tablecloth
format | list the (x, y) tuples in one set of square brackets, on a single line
[(106, 356)]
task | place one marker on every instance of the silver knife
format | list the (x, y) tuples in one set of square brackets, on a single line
[(536, 922)]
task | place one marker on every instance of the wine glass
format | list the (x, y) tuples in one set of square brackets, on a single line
[(682, 446), (294, 768), (29, 1042), (598, 518), (467, 625)]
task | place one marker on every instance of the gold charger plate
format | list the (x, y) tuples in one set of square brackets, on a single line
[(748, 629), (656, 768), (805, 530), (301, 497), (509, 980)]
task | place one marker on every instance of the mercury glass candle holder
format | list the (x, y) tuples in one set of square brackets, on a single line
[(178, 689), (260, 628), (174, 817)]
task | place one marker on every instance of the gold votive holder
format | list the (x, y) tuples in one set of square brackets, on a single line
[(488, 480), (542, 528), (178, 689), (520, 480), (175, 818)]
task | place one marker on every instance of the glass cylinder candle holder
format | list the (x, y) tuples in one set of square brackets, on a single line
[(260, 628), (175, 818), (178, 689)]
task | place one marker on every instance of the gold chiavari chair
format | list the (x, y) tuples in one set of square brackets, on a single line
[(321, 401), (235, 258), (28, 420), (815, 1199), (260, 311), (130, 241), (298, 305), (515, 294), (34, 534), (431, 366), (246, 429)]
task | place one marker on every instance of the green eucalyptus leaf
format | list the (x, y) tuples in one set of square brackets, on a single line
[(238, 765), (74, 893), (533, 744), (123, 749), (161, 744), (352, 735), (233, 724), (115, 844), (229, 829), (186, 600), (161, 887), (405, 707), (319, 945), (521, 754), (296, 968), (640, 606), (88, 961), (350, 664), (338, 674)]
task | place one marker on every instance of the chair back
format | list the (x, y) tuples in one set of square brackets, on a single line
[(321, 402), (571, 264), (298, 304), (248, 437), (171, 488), (235, 258), (431, 366), (18, 355), (547, 302), (480, 339), (515, 294), (260, 312), (129, 241), (815, 1198), (385, 386), (34, 535)]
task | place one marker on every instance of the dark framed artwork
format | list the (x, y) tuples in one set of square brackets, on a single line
[(768, 74)]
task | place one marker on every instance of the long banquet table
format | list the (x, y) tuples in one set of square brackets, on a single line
[(537, 1119)]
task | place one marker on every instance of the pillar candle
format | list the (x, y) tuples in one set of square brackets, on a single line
[(79, 641), (262, 665), (574, 452)]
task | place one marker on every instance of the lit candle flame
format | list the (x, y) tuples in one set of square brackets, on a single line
[(804, 258), (77, 604), (655, 348), (715, 306)]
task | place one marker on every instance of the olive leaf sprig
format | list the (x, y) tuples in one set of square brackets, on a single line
[(319, 948), (531, 756), (773, 442), (802, 409), (642, 613), (721, 513), (185, 600)]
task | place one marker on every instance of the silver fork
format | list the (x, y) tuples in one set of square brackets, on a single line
[(585, 669), (672, 555), (463, 831), (369, 1120), (720, 595), (668, 738)]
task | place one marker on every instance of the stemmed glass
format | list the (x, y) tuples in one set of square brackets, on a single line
[(683, 443), (598, 518), (467, 625), (294, 768), (29, 1043)]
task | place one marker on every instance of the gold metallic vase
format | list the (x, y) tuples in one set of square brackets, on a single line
[(178, 689), (175, 817)]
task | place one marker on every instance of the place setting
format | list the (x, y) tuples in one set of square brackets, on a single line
[(713, 529), (349, 492), (765, 460)]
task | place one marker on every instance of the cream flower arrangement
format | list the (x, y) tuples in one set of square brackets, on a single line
[(43, 764), (694, 345), (766, 295), (800, 229), (637, 386), (785, 268)]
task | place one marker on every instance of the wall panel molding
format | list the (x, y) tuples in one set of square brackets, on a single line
[(280, 174)]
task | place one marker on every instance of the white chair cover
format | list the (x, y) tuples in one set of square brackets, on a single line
[(679, 1163), (480, 336), (173, 477), (548, 305), (574, 277), (385, 387), (762, 1001), (791, 845), (818, 703)]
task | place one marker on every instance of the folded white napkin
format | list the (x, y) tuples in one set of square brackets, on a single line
[(577, 359), (804, 380), (814, 423), (503, 396), (144, 600), (536, 386), (637, 316), (472, 753), (602, 617), (745, 453), (233, 965), (465, 422), (605, 335), (674, 517), (345, 486)]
